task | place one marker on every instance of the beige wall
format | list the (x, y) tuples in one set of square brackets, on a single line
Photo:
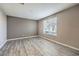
[(18, 27), (3, 28), (67, 28)]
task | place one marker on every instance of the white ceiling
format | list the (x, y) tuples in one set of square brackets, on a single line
[(33, 11)]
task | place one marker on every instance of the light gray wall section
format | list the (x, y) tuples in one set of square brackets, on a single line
[(19, 27), (3, 28), (67, 27)]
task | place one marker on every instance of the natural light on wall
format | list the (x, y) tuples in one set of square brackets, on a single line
[(50, 26)]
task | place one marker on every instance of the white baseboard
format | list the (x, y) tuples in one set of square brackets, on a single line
[(21, 38), (61, 43), (2, 44)]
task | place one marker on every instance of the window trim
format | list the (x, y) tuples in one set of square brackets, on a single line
[(50, 20)]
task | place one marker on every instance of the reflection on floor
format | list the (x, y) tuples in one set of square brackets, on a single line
[(35, 47)]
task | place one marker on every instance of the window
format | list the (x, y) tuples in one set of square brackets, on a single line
[(50, 26)]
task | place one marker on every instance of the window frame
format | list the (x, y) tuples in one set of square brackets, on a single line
[(52, 24)]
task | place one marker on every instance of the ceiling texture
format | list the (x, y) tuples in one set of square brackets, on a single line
[(33, 11)]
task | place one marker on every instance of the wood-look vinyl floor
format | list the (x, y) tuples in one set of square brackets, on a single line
[(35, 47)]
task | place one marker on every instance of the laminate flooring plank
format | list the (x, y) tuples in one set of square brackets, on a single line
[(35, 47)]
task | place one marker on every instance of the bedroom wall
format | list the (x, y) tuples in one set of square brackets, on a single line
[(3, 28), (20, 27), (67, 27)]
